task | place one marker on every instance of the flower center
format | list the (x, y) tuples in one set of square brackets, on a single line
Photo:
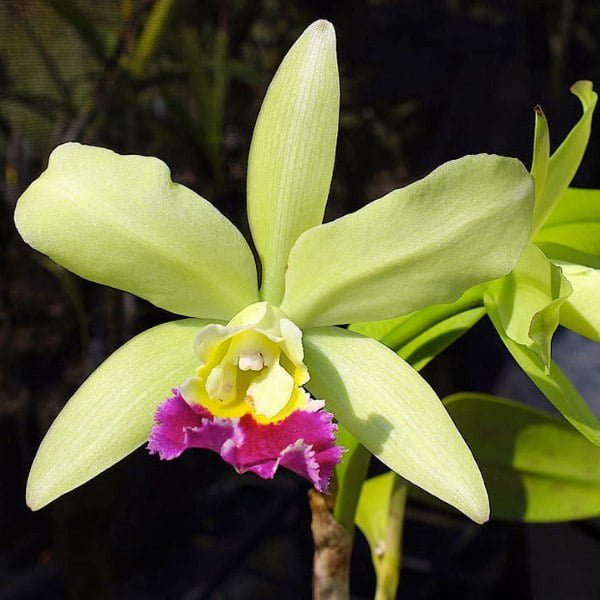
[(251, 365)]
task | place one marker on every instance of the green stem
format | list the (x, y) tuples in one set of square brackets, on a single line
[(389, 555), (350, 476), (150, 36)]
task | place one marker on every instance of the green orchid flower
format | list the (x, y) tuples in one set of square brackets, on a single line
[(121, 221)]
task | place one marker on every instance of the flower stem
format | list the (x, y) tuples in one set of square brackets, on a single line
[(350, 475), (333, 546), (389, 554)]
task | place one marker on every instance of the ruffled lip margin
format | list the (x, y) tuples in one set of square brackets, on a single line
[(303, 442)]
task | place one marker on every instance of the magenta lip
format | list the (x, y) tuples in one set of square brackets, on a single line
[(303, 442)]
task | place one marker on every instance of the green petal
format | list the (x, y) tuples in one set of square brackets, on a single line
[(420, 245), (529, 299), (292, 152), (552, 382), (565, 161), (572, 231), (581, 310), (121, 221), (390, 409), (536, 468), (111, 414), (541, 153)]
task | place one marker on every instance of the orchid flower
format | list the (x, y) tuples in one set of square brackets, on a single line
[(239, 366)]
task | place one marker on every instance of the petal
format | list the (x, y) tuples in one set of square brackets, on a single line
[(110, 415), (271, 391), (551, 382), (121, 221), (304, 442), (390, 409), (528, 301), (565, 161), (292, 152), (581, 310), (572, 231), (409, 249), (172, 418), (541, 152)]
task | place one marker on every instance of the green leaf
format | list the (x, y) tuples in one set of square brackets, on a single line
[(418, 323), (420, 336), (535, 467), (420, 245), (581, 310), (390, 409), (379, 329), (209, 90), (121, 221), (421, 350), (553, 384), (565, 161), (292, 152), (572, 231), (150, 35), (71, 12), (528, 301), (380, 516), (111, 414)]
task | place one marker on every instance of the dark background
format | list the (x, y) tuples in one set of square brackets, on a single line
[(422, 82)]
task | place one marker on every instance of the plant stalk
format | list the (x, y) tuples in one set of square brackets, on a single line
[(333, 547), (389, 555)]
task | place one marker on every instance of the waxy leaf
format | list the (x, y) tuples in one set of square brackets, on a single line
[(535, 467), (420, 336), (379, 329), (111, 414), (121, 221), (572, 231), (420, 245), (292, 152), (420, 351), (390, 409), (565, 161), (551, 382), (581, 311), (529, 299)]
